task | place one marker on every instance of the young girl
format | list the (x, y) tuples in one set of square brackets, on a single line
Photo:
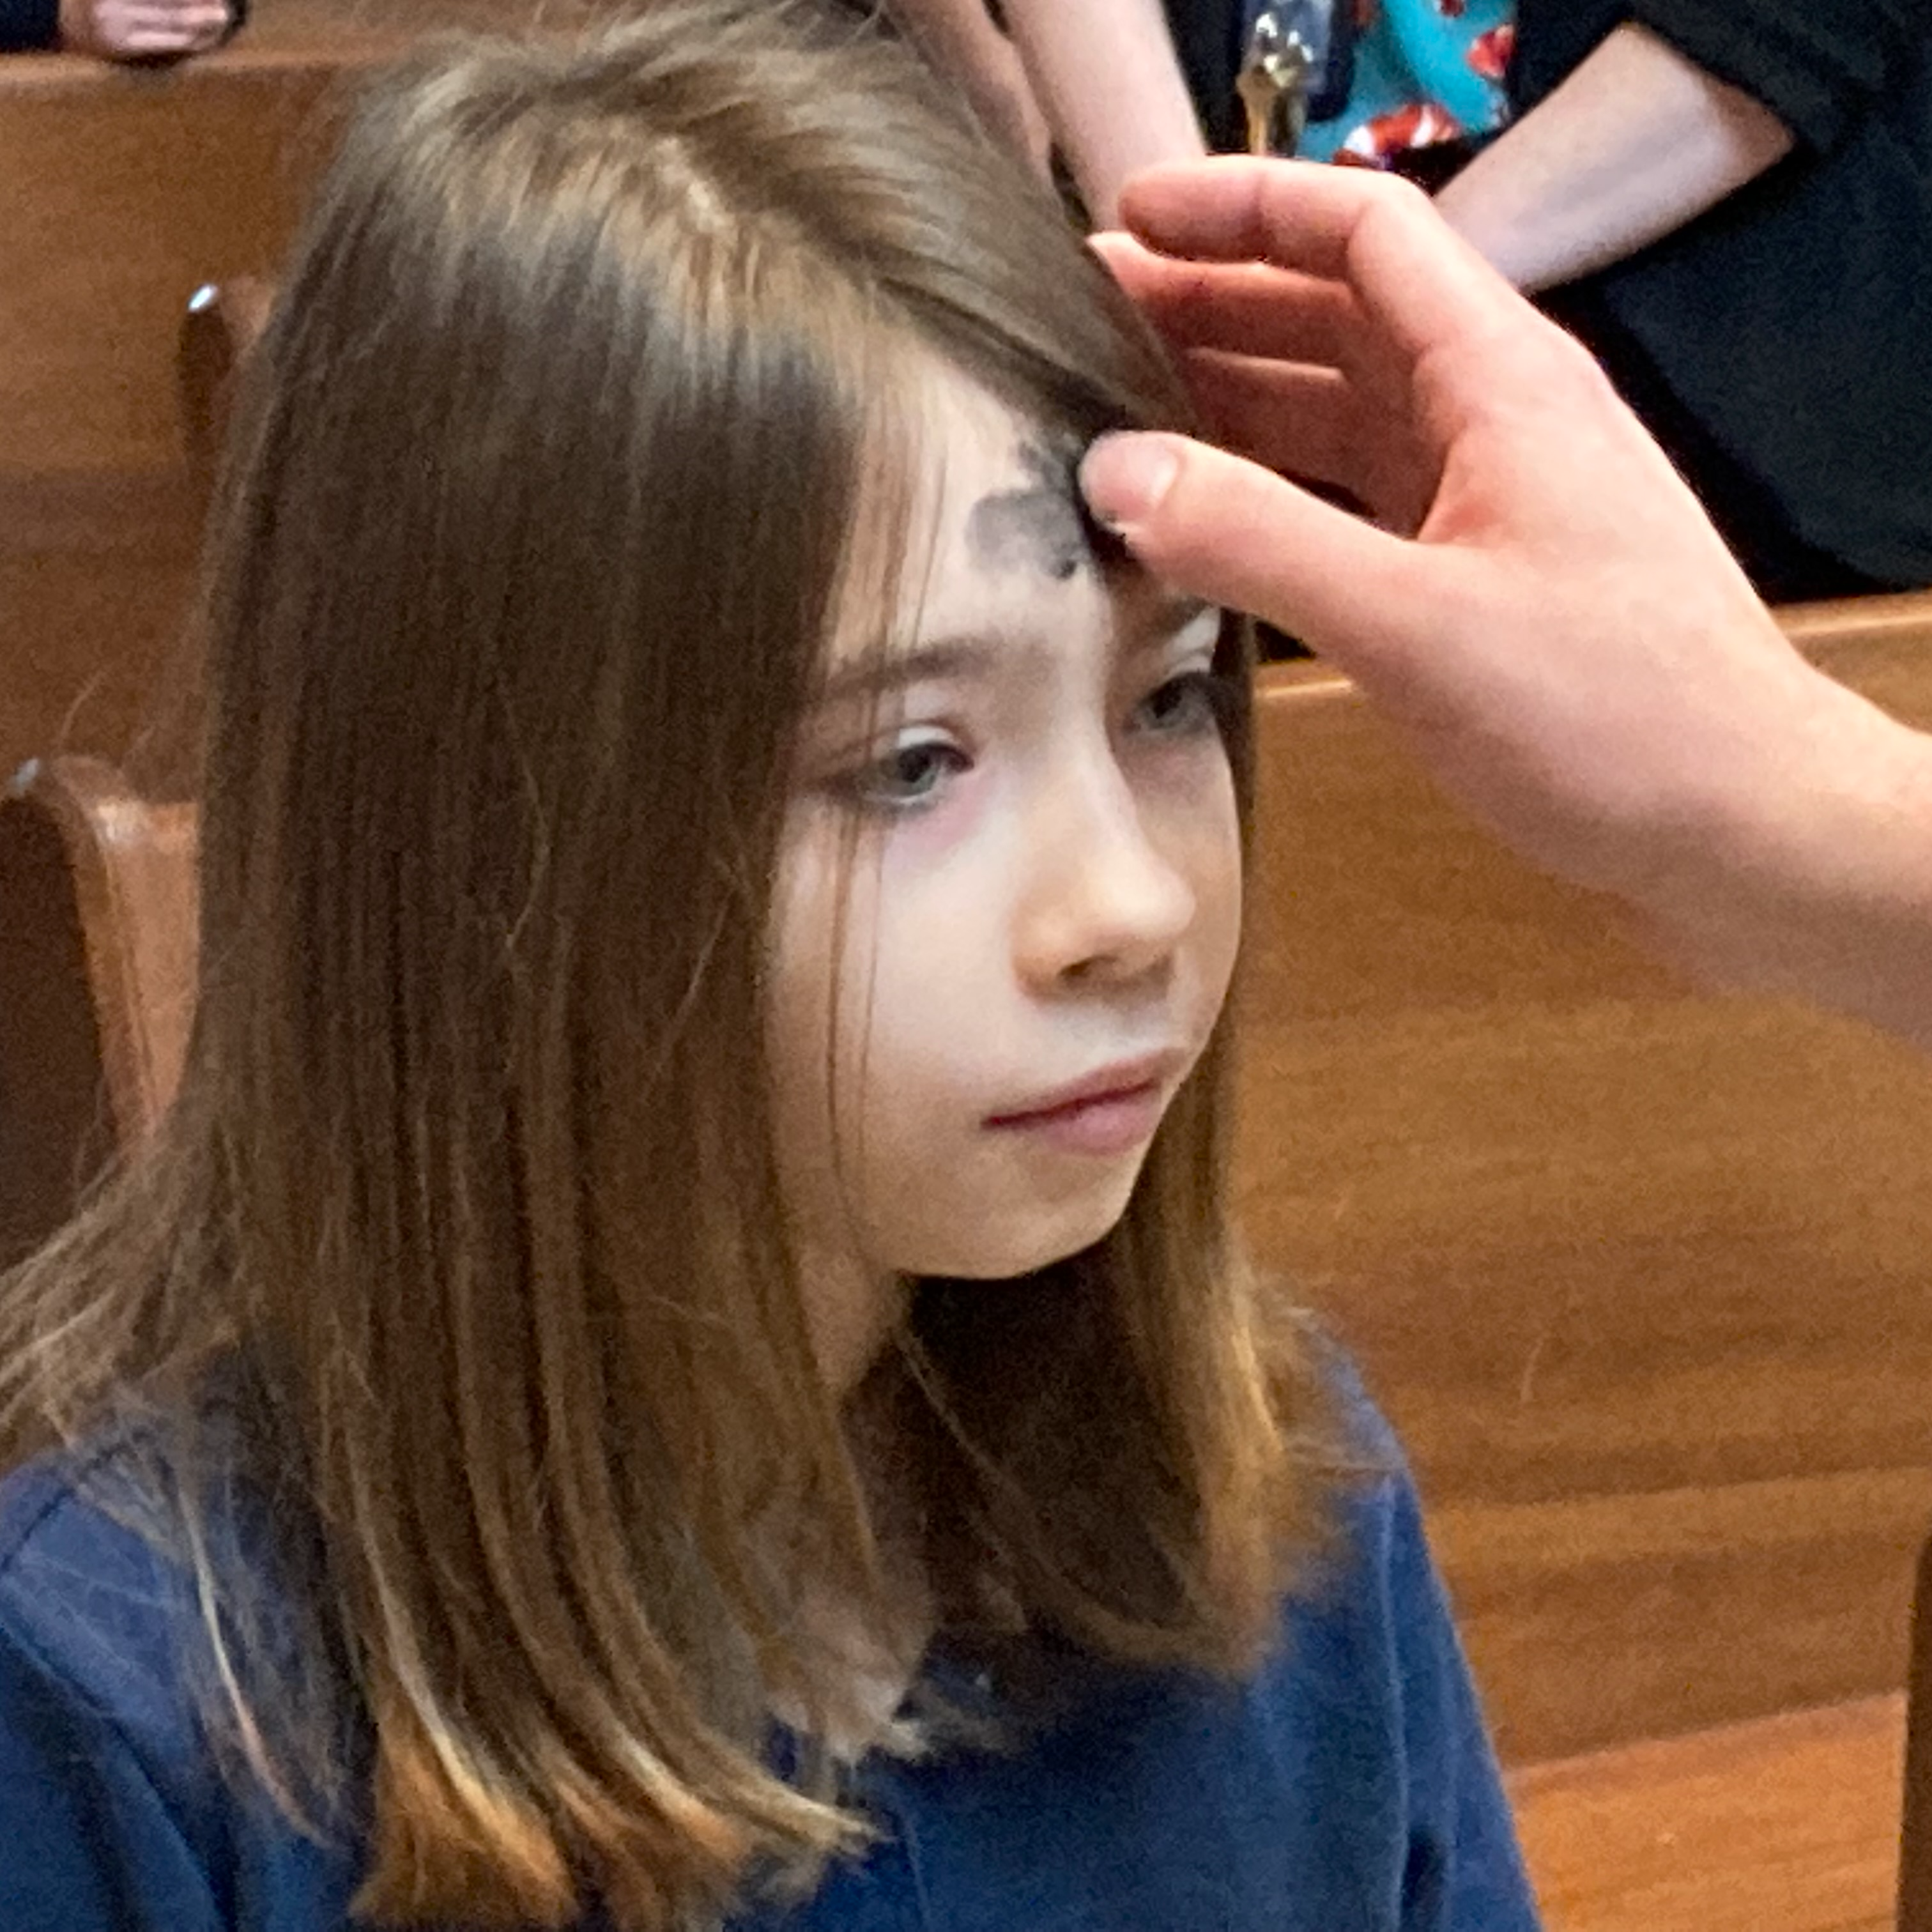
[(678, 1361)]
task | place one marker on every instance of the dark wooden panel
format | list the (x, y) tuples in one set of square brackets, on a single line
[(1915, 1848), (1788, 1825), (95, 582), (96, 972), (54, 1127)]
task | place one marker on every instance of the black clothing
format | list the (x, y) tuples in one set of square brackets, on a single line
[(28, 23), (1780, 345), (1206, 36)]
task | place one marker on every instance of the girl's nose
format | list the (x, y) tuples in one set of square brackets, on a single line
[(1103, 901)]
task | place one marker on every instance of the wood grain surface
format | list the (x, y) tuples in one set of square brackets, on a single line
[(125, 191), (1789, 1823), (1641, 1274)]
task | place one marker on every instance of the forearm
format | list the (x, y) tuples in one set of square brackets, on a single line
[(1813, 877), (1104, 71), (1636, 143)]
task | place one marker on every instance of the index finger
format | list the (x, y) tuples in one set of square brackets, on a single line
[(1249, 307), (1412, 275)]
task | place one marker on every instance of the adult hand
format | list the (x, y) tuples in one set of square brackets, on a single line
[(1533, 598), (142, 29)]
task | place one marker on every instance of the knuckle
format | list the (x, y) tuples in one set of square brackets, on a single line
[(1404, 198), (1569, 360)]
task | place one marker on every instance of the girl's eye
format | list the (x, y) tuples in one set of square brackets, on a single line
[(908, 776), (1196, 700)]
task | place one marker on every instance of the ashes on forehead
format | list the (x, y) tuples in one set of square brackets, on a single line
[(1042, 525)]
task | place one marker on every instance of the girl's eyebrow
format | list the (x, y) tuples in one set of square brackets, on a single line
[(955, 659), (974, 657)]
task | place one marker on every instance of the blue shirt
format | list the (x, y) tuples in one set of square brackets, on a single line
[(1348, 1787)]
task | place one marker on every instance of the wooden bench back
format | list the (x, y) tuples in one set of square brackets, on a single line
[(97, 973), (1914, 1847), (1641, 1273), (125, 192)]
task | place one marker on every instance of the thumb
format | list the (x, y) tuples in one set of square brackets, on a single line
[(1221, 527)]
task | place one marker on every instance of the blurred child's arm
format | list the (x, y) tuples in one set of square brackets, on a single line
[(140, 30), (959, 38), (1105, 72), (1637, 142)]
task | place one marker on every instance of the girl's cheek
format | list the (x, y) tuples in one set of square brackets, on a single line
[(938, 834), (1186, 794), (1192, 764)]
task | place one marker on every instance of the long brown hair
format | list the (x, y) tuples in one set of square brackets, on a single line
[(540, 503)]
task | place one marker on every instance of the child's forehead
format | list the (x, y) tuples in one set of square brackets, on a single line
[(972, 445), (997, 493), (990, 537)]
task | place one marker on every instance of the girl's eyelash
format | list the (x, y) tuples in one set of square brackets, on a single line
[(911, 775), (906, 779), (1203, 700)]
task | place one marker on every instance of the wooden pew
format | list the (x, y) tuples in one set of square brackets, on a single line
[(1640, 1273), (126, 190), (223, 321)]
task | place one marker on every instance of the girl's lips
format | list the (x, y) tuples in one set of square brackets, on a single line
[(1113, 1122)]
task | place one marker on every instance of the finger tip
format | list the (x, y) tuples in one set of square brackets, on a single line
[(1124, 256), (1125, 475)]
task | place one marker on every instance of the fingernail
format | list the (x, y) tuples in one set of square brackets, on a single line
[(1124, 476)]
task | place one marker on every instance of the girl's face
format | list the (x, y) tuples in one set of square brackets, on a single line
[(1038, 928)]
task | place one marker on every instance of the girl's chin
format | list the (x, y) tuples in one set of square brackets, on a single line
[(1019, 1243)]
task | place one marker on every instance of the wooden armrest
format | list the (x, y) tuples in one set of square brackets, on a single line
[(130, 863), (224, 322)]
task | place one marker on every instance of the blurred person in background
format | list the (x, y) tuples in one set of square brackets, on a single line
[(1729, 202), (125, 30), (1413, 85)]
